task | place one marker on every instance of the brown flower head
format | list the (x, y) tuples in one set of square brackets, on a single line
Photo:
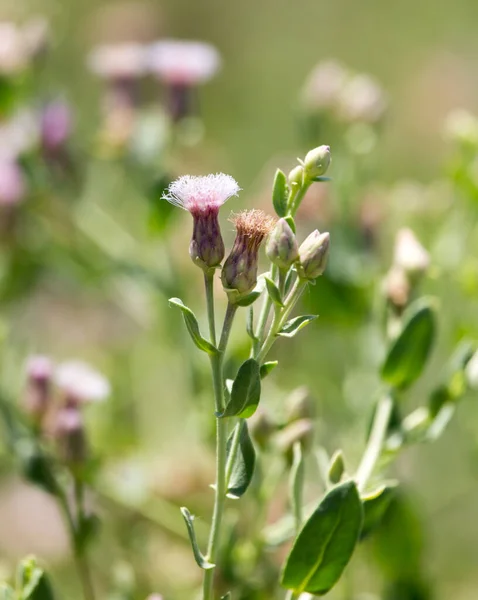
[(240, 269)]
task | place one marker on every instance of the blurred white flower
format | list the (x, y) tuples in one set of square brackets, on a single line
[(462, 126), (18, 135), (324, 85), (118, 61), (201, 194), (471, 371), (80, 381), (409, 254), (186, 63), (14, 52), (362, 99)]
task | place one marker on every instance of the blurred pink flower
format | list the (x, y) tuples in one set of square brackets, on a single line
[(324, 85), (39, 367), (118, 61), (409, 254), (186, 63), (12, 184), (80, 382), (55, 125), (14, 53)]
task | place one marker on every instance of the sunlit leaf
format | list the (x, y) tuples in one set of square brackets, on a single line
[(241, 462)]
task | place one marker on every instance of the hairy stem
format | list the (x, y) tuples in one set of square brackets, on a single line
[(221, 434), (375, 441)]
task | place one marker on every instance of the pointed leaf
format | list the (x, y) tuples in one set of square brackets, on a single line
[(280, 193), (199, 557), (295, 325), (193, 327), (375, 506), (241, 469), (32, 582), (273, 292), (250, 324), (267, 367), (326, 542), (409, 352), (246, 391)]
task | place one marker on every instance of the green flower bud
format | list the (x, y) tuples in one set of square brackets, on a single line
[(313, 255), (296, 176), (317, 162), (206, 248), (239, 273), (261, 428), (282, 248)]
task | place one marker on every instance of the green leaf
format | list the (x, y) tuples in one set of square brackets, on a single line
[(296, 481), (32, 582), (295, 325), (375, 505), (280, 193), (240, 471), (326, 543), (321, 178), (193, 326), (250, 324), (36, 467), (200, 558), (249, 299), (409, 352), (336, 467), (440, 421), (246, 391), (267, 367), (274, 293)]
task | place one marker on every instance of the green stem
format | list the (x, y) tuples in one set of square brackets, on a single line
[(209, 285), (280, 318), (264, 315), (81, 562), (375, 441), (221, 437)]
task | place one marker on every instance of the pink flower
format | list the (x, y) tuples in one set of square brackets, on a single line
[(118, 61), (55, 125), (185, 63), (12, 184), (202, 197), (80, 382), (39, 368)]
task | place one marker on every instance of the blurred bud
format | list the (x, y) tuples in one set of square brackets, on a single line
[(299, 431), (397, 288), (362, 100), (317, 162), (203, 197), (69, 433), (462, 127), (55, 126), (118, 62), (409, 254), (296, 176), (336, 467), (471, 372), (13, 50), (239, 272), (261, 428), (299, 405), (313, 255), (80, 383), (282, 248), (12, 184), (37, 396), (323, 86)]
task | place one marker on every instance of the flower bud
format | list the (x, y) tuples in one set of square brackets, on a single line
[(37, 396), (317, 162), (239, 272), (409, 254), (313, 255), (282, 248), (206, 248), (298, 431), (299, 405), (69, 432), (296, 176), (397, 288)]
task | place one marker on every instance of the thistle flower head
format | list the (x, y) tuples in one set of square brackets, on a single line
[(201, 194), (185, 63), (239, 272), (324, 85), (80, 382), (202, 197), (55, 125), (69, 433), (362, 100), (313, 255), (37, 395), (39, 368)]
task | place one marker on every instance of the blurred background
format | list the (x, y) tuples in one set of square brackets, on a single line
[(90, 255)]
